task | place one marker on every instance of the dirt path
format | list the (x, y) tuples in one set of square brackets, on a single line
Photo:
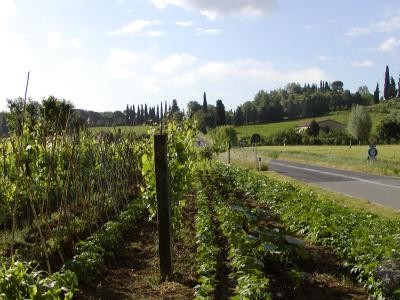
[(134, 273)]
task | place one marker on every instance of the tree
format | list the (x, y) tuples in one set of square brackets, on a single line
[(238, 118), (398, 88), (392, 89), (192, 108), (359, 125), (205, 102), (314, 128), (337, 86), (221, 117), (175, 107), (376, 93), (389, 130), (386, 87)]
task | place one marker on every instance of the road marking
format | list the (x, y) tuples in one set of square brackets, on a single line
[(336, 174)]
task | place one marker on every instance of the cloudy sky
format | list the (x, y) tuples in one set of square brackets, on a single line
[(103, 54)]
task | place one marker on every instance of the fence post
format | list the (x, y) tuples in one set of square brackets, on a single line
[(163, 206), (229, 153)]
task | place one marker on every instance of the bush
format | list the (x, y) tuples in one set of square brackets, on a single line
[(224, 135)]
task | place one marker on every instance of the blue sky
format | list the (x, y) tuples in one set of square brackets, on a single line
[(104, 54)]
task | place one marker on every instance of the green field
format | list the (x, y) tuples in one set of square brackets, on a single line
[(343, 157), (138, 130), (271, 128)]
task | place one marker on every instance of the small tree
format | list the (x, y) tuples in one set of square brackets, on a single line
[(359, 125), (314, 128)]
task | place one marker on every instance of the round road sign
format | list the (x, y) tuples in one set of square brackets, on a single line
[(372, 152)]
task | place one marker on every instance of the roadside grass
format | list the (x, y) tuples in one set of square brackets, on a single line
[(342, 157), (138, 130), (271, 128), (245, 157)]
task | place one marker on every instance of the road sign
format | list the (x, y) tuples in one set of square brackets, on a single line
[(372, 152)]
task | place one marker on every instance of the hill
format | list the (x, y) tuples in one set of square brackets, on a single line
[(340, 116)]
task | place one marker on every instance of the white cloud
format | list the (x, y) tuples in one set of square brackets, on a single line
[(389, 45), (8, 10), (54, 40), (390, 25), (184, 70), (174, 63), (138, 27), (322, 57), (208, 31), (212, 9), (363, 64), (386, 26), (76, 64), (357, 31), (184, 23)]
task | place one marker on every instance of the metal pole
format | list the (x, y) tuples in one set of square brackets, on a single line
[(163, 206)]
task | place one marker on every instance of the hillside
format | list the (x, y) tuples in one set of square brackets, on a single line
[(340, 116)]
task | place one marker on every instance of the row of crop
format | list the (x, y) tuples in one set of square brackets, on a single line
[(247, 248), (19, 280), (207, 248), (368, 244)]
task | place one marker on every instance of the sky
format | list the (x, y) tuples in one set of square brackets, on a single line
[(104, 54)]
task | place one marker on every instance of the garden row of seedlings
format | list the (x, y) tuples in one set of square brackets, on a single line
[(221, 210), (368, 244), (85, 266)]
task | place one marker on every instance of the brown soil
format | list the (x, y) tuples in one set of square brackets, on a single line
[(134, 273)]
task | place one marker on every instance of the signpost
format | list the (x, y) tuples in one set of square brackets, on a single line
[(372, 152), (255, 139)]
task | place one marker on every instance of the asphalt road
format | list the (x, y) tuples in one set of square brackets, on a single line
[(383, 190)]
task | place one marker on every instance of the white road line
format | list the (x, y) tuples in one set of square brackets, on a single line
[(336, 174)]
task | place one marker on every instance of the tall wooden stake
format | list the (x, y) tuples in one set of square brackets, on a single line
[(229, 153), (163, 206)]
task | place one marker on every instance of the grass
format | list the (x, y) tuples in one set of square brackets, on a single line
[(138, 129), (341, 157), (271, 128), (247, 159)]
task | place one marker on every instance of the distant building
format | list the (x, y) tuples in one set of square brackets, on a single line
[(331, 124)]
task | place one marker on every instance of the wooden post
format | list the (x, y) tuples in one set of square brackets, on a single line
[(229, 153), (163, 206)]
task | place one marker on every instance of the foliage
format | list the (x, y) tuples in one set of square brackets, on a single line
[(314, 128), (224, 135), (360, 123), (368, 243), (88, 262), (19, 280), (389, 130), (181, 159)]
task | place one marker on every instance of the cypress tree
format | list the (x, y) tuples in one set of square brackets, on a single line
[(386, 88), (204, 102), (161, 112), (221, 117), (133, 121), (158, 114), (376, 93), (165, 108), (398, 88), (392, 88)]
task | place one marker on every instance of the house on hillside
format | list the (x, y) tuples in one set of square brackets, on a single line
[(331, 124)]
